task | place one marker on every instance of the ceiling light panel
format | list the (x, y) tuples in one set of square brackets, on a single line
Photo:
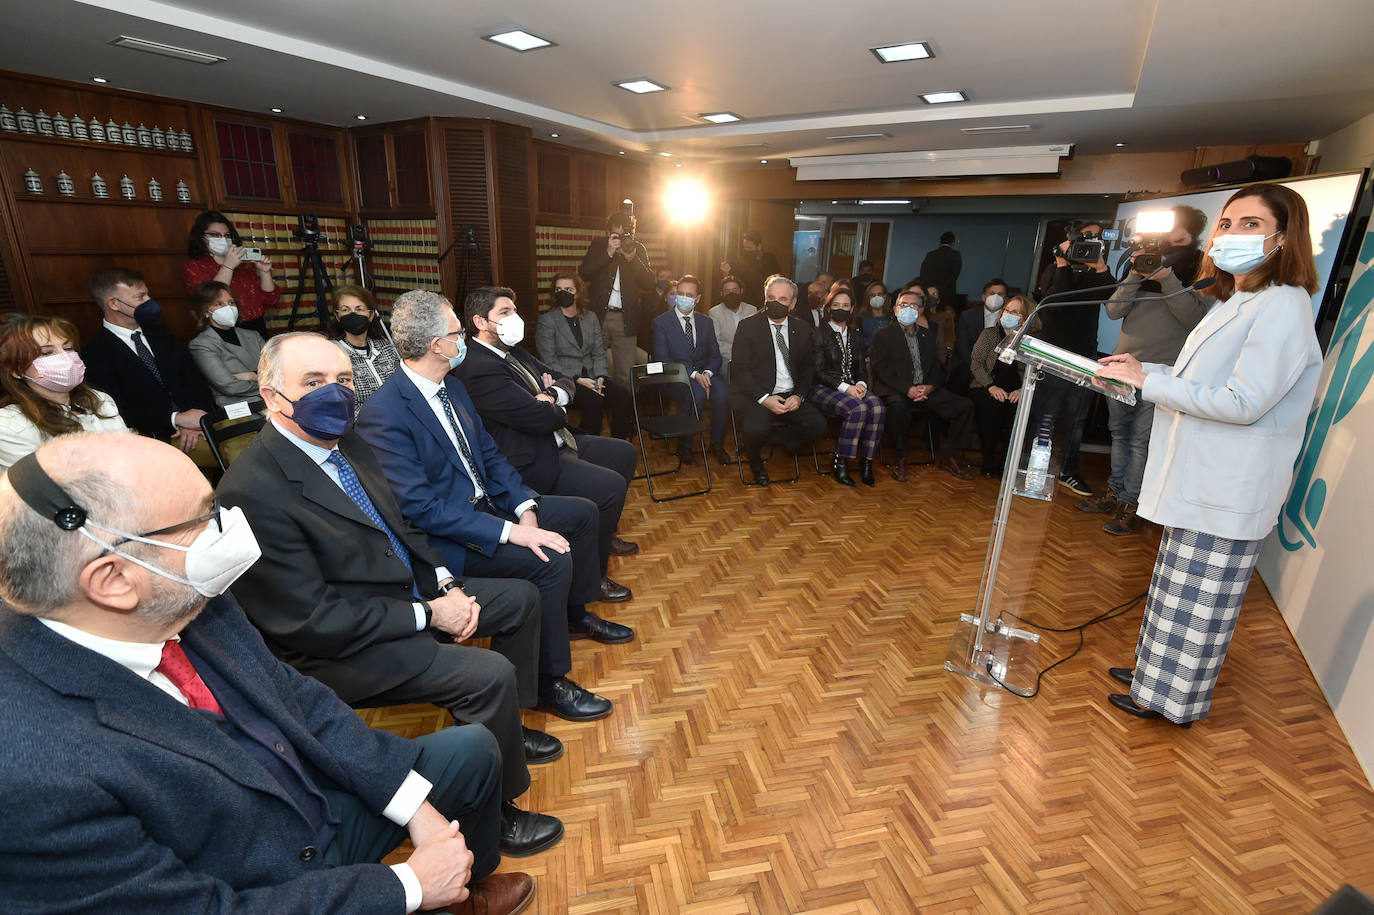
[(519, 40), (167, 50), (641, 86), (860, 136), (943, 98), (895, 53), (720, 117), (998, 128)]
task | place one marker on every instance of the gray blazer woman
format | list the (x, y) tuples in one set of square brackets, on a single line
[(219, 360), (560, 349)]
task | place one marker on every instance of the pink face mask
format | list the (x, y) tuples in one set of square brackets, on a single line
[(59, 371)]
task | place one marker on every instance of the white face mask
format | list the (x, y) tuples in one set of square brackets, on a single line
[(1239, 254), (510, 330), (214, 560), (993, 302), (225, 315), (218, 246), (877, 301)]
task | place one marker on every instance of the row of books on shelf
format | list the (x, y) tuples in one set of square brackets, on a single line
[(265, 230), (407, 236)]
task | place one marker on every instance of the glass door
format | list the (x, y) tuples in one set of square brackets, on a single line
[(856, 240)]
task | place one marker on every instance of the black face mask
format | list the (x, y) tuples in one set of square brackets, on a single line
[(839, 315), (732, 299), (777, 310), (355, 324), (564, 298)]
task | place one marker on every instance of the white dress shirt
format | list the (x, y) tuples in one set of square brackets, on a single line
[(429, 390), (727, 322), (127, 336), (142, 659), (614, 303), (320, 457), (784, 380)]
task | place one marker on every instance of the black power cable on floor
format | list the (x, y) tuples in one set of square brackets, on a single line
[(1109, 614)]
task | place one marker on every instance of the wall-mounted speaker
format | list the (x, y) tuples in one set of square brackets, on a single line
[(1242, 171)]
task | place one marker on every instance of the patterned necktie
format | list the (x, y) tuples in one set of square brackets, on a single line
[(348, 479), (687, 329), (146, 355), (782, 342), (177, 667), (463, 448), (563, 434)]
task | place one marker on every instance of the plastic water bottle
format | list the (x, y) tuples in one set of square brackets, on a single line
[(1038, 467)]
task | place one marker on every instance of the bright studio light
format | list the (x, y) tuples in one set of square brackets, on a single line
[(686, 200), (1154, 222)]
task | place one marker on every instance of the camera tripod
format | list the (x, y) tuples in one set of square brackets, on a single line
[(469, 262), (319, 275)]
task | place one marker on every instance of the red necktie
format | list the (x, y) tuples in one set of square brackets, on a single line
[(177, 667)]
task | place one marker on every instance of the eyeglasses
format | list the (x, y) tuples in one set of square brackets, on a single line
[(213, 516), (218, 235)]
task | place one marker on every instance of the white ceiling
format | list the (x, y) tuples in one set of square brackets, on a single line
[(1156, 76)]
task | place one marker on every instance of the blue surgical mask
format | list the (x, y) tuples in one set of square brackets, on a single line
[(1239, 254), (326, 413), (684, 303), (1010, 321), (906, 315), (457, 360)]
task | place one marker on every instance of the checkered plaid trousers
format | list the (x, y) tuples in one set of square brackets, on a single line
[(863, 419), (1195, 596)]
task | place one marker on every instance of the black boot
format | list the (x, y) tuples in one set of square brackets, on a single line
[(840, 469), (866, 471)]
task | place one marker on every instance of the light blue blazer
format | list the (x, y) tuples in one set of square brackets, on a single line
[(1230, 415)]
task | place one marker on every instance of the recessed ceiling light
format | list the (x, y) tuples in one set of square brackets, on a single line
[(167, 50), (361, 117), (1120, 144), (880, 202), (834, 201), (622, 152), (763, 162), (554, 135), (666, 155), (942, 98), (276, 111), (99, 79), (677, 164), (641, 85), (860, 136), (720, 117), (519, 40), (911, 50)]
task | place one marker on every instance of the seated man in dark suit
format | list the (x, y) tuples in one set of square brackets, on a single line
[(773, 366), (524, 407), (452, 482), (149, 373), (907, 359), (348, 593), (159, 759), (686, 335)]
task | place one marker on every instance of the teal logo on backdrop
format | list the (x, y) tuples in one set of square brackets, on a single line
[(1350, 377)]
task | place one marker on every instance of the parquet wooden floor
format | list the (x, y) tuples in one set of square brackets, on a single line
[(785, 739)]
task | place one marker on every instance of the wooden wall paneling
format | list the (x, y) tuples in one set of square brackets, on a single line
[(513, 154), (16, 292), (466, 197), (555, 169)]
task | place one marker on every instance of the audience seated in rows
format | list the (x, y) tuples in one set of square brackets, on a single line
[(685, 335), (841, 390), (357, 328), (452, 482), (569, 338), (995, 387), (43, 391), (226, 355), (348, 592), (726, 315)]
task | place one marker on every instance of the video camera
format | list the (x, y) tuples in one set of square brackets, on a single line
[(307, 230), (359, 238), (1087, 248), (1149, 245), (627, 209)]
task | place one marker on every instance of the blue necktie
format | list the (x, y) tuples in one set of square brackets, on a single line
[(354, 490), (479, 485)]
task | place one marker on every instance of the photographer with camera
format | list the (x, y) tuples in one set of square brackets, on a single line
[(1080, 268), (218, 255), (616, 269), (1151, 332)]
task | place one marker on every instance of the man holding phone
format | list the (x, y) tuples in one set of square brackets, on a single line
[(616, 269)]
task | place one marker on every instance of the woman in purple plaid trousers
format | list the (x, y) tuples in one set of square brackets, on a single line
[(842, 391), (1230, 415)]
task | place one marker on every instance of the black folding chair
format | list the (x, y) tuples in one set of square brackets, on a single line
[(679, 427), (231, 421)]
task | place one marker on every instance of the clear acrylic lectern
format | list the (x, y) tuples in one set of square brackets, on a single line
[(984, 646)]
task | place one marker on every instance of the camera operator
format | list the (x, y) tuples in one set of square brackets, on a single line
[(1151, 332), (753, 265), (616, 269), (1074, 327)]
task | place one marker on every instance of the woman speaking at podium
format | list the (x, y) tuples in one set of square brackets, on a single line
[(1229, 420)]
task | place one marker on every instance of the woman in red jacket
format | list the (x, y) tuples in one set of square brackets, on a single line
[(216, 252)]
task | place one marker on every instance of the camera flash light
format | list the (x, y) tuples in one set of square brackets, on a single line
[(1154, 222)]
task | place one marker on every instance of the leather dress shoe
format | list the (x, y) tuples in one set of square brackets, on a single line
[(1124, 674), (595, 628), (497, 894), (613, 592), (721, 455), (623, 547), (1127, 705), (760, 472), (540, 747), (688, 456), (566, 700), (524, 832), (899, 471), (955, 469), (866, 472)]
